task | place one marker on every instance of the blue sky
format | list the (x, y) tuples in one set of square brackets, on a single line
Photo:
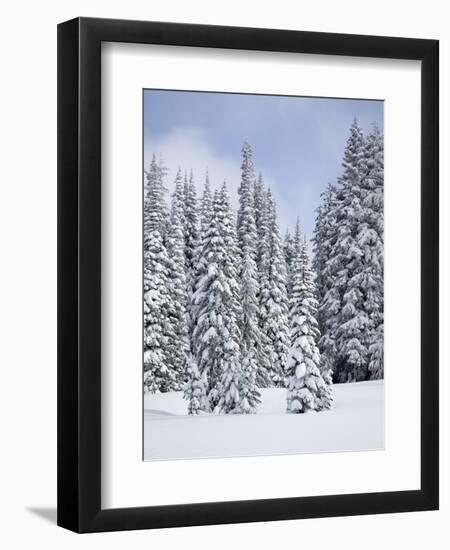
[(297, 141)]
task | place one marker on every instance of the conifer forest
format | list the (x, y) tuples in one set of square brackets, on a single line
[(235, 308)]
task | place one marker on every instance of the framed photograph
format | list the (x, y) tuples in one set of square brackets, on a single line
[(247, 275)]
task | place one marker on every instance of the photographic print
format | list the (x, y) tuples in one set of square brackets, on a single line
[(263, 276), (222, 271)]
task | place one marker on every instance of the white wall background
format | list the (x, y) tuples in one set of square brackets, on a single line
[(28, 270)]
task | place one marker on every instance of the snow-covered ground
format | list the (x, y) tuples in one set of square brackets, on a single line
[(356, 423)]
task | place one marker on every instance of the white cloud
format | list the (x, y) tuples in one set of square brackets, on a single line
[(189, 148)]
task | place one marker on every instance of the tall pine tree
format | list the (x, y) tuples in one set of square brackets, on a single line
[(206, 204), (159, 374), (155, 210), (239, 388), (351, 334), (324, 240), (216, 300), (248, 275), (348, 248), (275, 324), (288, 247), (264, 377), (195, 389), (200, 263), (260, 204), (191, 230), (371, 238), (307, 390), (178, 345)]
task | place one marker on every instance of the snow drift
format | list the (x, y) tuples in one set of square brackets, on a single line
[(356, 423)]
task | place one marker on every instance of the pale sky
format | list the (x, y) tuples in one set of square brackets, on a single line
[(297, 142)]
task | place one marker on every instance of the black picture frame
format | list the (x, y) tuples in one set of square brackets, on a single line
[(79, 274)]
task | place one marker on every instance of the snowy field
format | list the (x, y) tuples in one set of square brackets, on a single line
[(356, 423)]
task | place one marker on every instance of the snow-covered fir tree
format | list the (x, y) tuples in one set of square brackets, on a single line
[(306, 389), (376, 354), (260, 205), (348, 249), (159, 374), (370, 238), (274, 303), (155, 209), (288, 248), (295, 246), (324, 231), (351, 333), (200, 262), (240, 393), (179, 197), (204, 221), (251, 335), (205, 308), (195, 389), (324, 241), (216, 336), (191, 229), (297, 241), (325, 391), (191, 236), (374, 183), (264, 378), (178, 345), (206, 204)]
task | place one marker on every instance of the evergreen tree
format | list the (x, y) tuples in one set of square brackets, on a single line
[(157, 327), (294, 248), (263, 243), (264, 378), (376, 354), (204, 306), (297, 241), (178, 201), (275, 324), (348, 259), (230, 260), (178, 345), (288, 248), (238, 384), (206, 205), (351, 341), (370, 238), (191, 222), (307, 390), (329, 314), (374, 183), (155, 210), (260, 205), (200, 263), (248, 275), (344, 321), (195, 389), (324, 231), (250, 396), (328, 296), (191, 236), (216, 300), (159, 371), (325, 391), (185, 185)]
